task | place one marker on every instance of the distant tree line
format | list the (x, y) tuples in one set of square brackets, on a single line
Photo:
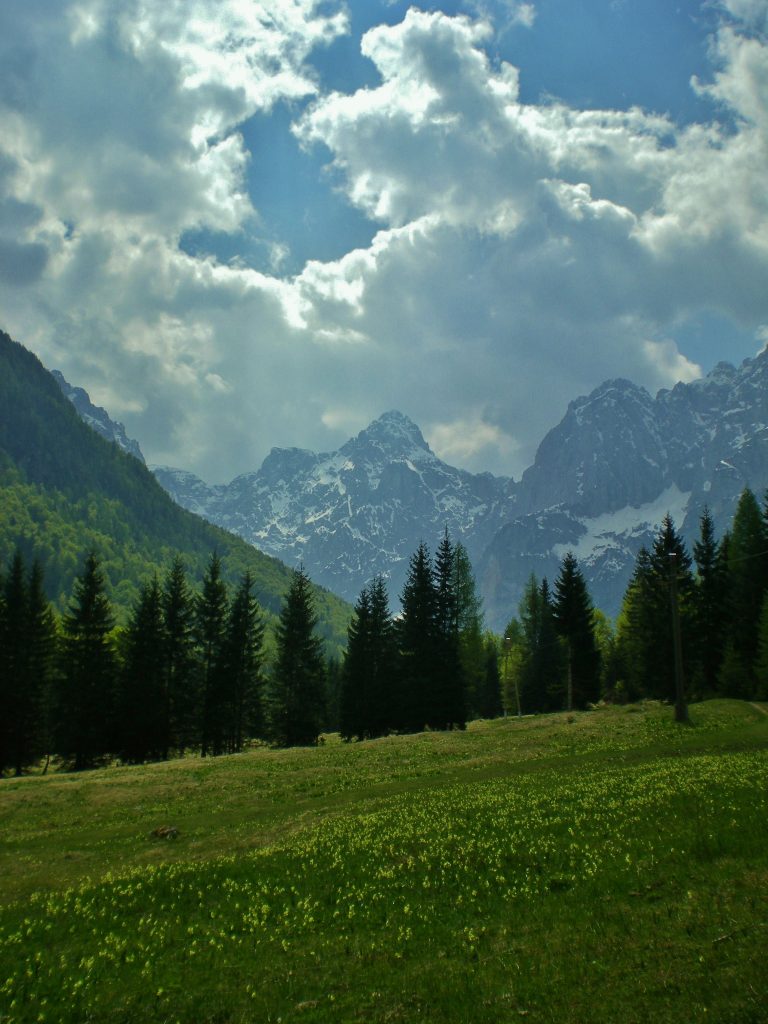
[(432, 666), (190, 671), (559, 652), (186, 673)]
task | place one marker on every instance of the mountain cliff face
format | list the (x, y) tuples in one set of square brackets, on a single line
[(599, 486), (350, 514), (619, 461), (98, 418)]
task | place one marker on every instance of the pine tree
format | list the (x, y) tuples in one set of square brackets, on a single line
[(369, 667), (243, 655), (13, 664), (181, 682), (747, 574), (489, 696), (86, 698), (574, 619), (40, 639), (472, 646), (210, 621), (417, 641), (143, 721), (542, 671), (761, 665), (296, 690), (448, 705), (710, 604)]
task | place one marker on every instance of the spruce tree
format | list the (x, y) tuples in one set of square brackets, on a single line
[(296, 687), (747, 574), (417, 641), (542, 671), (761, 664), (448, 706), (179, 666), (144, 724), (13, 664), (710, 605), (574, 618), (89, 666), (369, 670), (210, 622), (489, 695), (472, 647), (243, 680), (40, 639)]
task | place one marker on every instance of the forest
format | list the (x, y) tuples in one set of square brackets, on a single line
[(197, 671)]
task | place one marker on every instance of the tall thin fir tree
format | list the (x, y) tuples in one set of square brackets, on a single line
[(472, 648), (575, 623), (179, 666), (369, 669), (296, 687), (89, 668), (710, 606), (243, 657), (143, 720), (13, 663), (40, 639), (417, 644), (211, 610), (449, 707)]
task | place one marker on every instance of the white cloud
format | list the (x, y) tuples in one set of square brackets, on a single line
[(525, 252)]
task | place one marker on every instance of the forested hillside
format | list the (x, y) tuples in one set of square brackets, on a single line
[(65, 491)]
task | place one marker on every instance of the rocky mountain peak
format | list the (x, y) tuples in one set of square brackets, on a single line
[(97, 418), (393, 434)]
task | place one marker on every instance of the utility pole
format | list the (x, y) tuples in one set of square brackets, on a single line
[(681, 708)]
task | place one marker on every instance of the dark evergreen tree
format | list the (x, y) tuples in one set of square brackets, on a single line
[(417, 642), (296, 687), (472, 648), (210, 625), (747, 575), (13, 664), (636, 632), (369, 671), (542, 669), (143, 722), (448, 705), (710, 606), (243, 680), (574, 619), (489, 696), (761, 664), (41, 668), (179, 666), (88, 673)]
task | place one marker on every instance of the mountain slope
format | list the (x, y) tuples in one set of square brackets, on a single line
[(64, 489), (97, 417)]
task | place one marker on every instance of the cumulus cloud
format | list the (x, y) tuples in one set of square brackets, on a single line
[(523, 253)]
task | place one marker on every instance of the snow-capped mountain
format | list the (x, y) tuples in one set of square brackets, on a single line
[(619, 460), (350, 514), (97, 417)]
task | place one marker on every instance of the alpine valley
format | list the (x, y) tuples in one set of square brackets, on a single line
[(601, 482)]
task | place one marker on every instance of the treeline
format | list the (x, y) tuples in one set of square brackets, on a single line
[(432, 666), (560, 652), (186, 673)]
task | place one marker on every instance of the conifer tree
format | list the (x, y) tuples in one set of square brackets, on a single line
[(542, 670), (448, 704), (243, 678), (747, 574), (417, 641), (296, 687), (761, 665), (40, 639), (710, 605), (574, 619), (489, 696), (143, 721), (86, 698), (181, 682), (368, 675), (472, 646), (13, 663), (210, 622)]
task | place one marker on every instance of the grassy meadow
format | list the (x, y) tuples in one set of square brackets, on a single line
[(606, 866)]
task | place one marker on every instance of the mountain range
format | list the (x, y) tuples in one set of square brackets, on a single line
[(65, 490), (600, 483)]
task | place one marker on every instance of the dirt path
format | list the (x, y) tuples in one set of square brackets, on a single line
[(758, 707)]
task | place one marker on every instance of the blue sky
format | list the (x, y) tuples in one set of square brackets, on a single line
[(241, 225)]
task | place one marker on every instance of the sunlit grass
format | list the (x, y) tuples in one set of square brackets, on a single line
[(609, 868)]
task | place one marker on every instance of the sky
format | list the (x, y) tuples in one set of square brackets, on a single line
[(242, 225)]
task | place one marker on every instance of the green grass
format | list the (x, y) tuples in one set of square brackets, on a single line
[(610, 867)]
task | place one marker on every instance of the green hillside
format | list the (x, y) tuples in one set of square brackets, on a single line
[(65, 490), (599, 867)]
